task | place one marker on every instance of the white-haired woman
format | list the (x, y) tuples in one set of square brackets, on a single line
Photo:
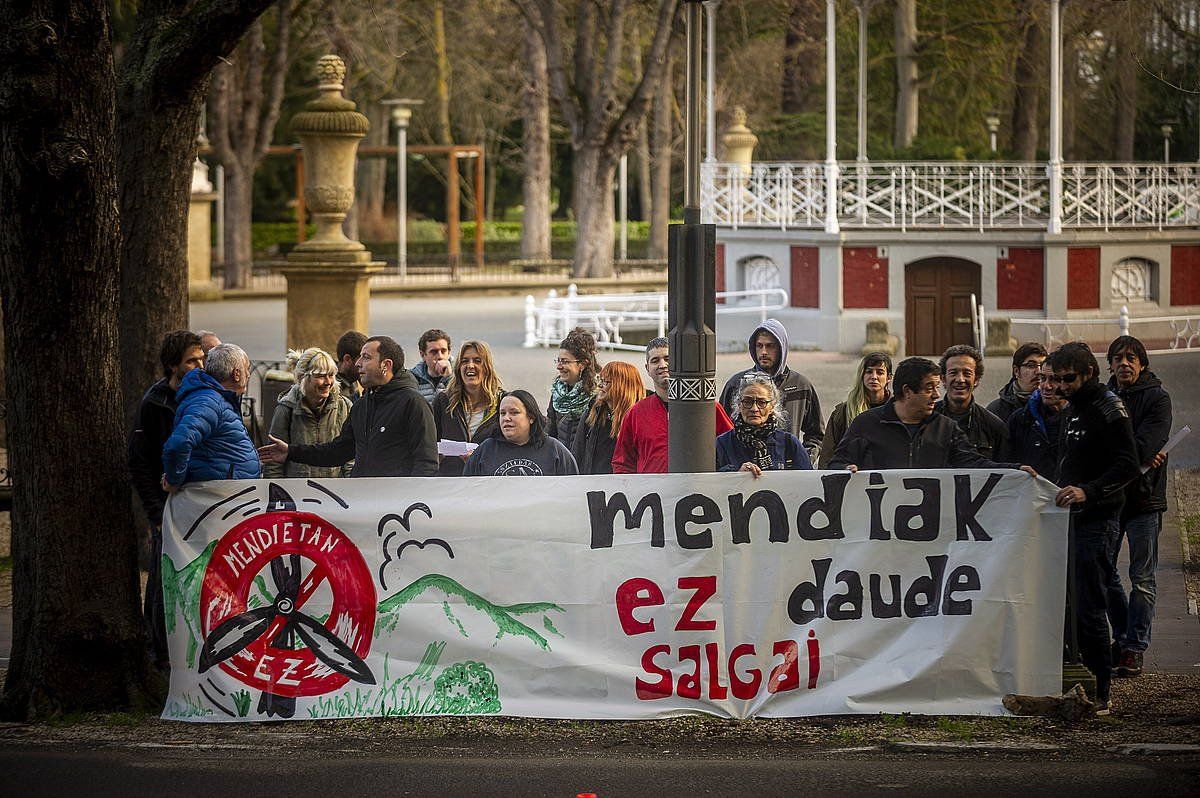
[(312, 411), (759, 440)]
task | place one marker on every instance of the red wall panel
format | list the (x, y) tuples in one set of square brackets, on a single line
[(1185, 274), (1083, 278), (1019, 279), (864, 278), (806, 277), (720, 271)]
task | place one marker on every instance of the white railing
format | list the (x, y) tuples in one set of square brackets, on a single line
[(1162, 335), (606, 315), (950, 195)]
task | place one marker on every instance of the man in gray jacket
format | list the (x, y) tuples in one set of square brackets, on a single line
[(769, 350)]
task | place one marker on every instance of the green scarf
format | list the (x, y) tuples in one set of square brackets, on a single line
[(569, 401)]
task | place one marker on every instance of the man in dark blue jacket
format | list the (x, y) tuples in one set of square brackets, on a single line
[(209, 440), (1149, 407), (1033, 429)]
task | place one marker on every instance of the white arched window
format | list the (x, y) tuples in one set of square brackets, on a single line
[(760, 272), (1133, 280)]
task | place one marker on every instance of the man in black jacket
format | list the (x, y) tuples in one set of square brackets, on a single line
[(962, 369), (180, 353), (1033, 429), (906, 433), (1026, 365), (1097, 459), (390, 430), (769, 350), (1149, 407)]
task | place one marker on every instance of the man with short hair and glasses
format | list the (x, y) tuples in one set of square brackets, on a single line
[(1033, 430), (1097, 458), (1026, 364)]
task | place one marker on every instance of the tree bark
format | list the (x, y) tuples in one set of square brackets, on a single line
[(1030, 75), (1125, 86), (78, 641), (594, 214), (641, 150), (371, 176), (535, 146), (442, 84), (164, 77), (239, 235), (660, 170), (803, 57), (907, 73), (1070, 97)]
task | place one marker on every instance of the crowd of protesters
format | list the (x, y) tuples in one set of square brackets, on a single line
[(361, 413)]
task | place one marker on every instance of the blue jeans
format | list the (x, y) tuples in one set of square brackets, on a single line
[(1132, 615)]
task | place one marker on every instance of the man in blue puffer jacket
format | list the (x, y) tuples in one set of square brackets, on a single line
[(209, 440)]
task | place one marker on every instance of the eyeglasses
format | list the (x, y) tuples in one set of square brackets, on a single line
[(601, 383), (1031, 365), (560, 362), (750, 401), (1057, 378)]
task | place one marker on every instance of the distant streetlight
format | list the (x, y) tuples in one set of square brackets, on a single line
[(401, 114), (1167, 128), (993, 126), (864, 9)]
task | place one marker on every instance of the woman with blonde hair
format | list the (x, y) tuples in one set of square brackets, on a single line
[(618, 388), (311, 412), (870, 389), (467, 410)]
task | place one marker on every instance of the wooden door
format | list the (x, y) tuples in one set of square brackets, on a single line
[(937, 306)]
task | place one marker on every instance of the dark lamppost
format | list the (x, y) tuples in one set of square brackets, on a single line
[(691, 297)]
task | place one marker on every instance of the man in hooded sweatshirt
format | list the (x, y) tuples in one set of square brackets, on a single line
[(1149, 407), (1026, 362), (769, 350), (390, 430)]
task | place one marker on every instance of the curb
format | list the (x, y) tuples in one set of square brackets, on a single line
[(973, 748)]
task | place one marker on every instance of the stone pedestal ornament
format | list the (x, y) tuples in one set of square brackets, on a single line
[(739, 141), (199, 251), (328, 275)]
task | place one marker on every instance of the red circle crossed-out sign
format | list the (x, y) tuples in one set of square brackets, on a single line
[(245, 553)]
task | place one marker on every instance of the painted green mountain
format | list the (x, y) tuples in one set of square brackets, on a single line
[(505, 617), (181, 596)]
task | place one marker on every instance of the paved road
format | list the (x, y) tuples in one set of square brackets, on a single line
[(488, 770)]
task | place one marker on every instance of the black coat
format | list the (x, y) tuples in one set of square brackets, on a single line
[(1096, 450), (452, 426), (1030, 444), (878, 439), (1149, 407), (983, 429), (390, 433), (1008, 402), (594, 445), (151, 427), (562, 425)]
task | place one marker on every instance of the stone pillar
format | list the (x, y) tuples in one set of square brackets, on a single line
[(739, 141), (328, 275), (200, 282)]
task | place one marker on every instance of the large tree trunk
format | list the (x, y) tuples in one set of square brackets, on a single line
[(1030, 75), (78, 640), (907, 74), (1125, 77), (442, 82), (641, 149), (662, 113), (371, 177), (803, 56), (594, 171), (239, 242), (1070, 97), (535, 146)]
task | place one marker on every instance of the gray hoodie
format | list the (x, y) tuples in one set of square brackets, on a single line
[(799, 396)]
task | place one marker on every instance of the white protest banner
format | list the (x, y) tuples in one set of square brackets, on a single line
[(799, 593)]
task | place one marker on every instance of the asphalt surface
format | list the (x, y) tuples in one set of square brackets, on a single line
[(482, 771)]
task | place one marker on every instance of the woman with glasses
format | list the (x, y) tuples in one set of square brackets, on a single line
[(573, 390), (759, 440), (618, 388), (468, 409), (870, 389)]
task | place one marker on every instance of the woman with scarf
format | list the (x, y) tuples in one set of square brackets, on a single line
[(468, 409), (759, 440), (573, 390), (618, 389), (870, 389)]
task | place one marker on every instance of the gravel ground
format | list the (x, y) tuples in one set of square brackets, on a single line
[(1186, 483)]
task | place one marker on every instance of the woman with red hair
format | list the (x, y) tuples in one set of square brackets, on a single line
[(618, 388)]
